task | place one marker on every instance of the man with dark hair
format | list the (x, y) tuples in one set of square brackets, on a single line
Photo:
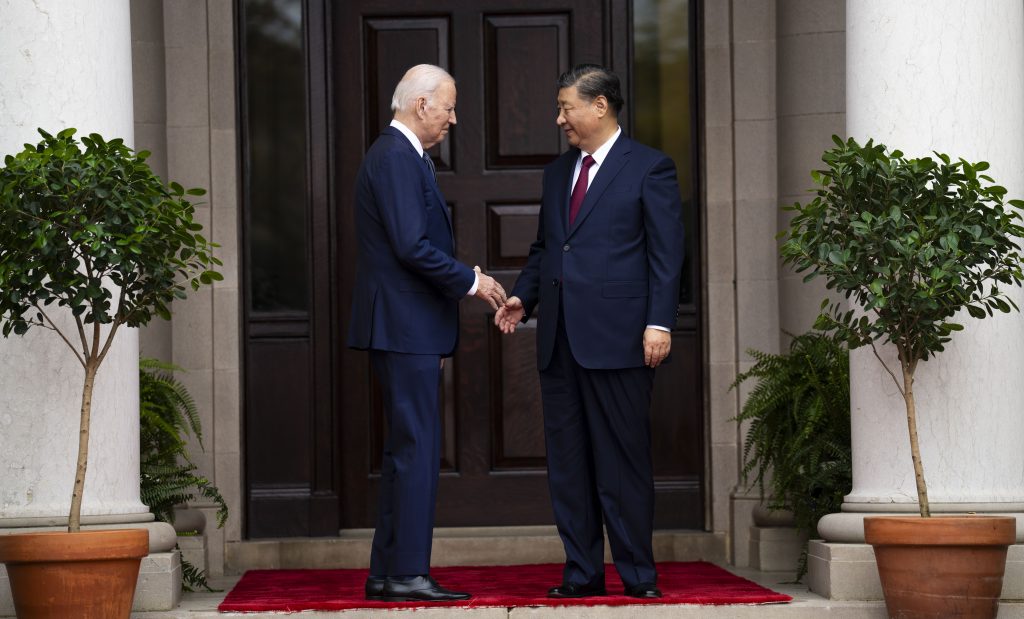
[(604, 277)]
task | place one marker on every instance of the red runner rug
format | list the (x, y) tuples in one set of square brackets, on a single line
[(505, 586)]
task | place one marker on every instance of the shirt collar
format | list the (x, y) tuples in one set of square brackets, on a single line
[(600, 154), (407, 132)]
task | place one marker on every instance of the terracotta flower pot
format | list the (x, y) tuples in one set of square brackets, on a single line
[(943, 566), (85, 575)]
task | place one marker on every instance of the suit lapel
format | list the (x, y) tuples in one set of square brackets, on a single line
[(426, 170), (609, 168)]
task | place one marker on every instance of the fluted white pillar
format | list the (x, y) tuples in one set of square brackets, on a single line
[(66, 64), (946, 76)]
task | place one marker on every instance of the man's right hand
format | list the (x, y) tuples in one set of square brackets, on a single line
[(489, 289), (510, 315)]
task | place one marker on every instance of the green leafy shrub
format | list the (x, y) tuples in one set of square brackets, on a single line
[(75, 221), (798, 438), (168, 416), (910, 243)]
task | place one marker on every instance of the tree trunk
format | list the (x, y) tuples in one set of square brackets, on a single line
[(75, 516), (915, 448)]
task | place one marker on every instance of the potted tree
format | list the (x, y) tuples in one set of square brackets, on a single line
[(911, 243), (91, 238)]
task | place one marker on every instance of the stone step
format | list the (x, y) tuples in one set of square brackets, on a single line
[(805, 605), (454, 546), (518, 546)]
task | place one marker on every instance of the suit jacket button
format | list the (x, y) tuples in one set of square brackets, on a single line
[(554, 282), (565, 247)]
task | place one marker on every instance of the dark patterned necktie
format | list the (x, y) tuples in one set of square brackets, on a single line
[(580, 190), (430, 164)]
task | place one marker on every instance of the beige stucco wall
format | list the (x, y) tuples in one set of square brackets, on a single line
[(183, 58), (773, 95)]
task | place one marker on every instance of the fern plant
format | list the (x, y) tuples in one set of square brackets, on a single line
[(798, 440), (168, 416)]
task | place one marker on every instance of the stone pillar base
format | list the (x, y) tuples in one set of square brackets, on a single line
[(775, 549), (848, 526), (848, 571)]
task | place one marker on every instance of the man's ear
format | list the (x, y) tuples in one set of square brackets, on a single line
[(601, 106), (421, 107)]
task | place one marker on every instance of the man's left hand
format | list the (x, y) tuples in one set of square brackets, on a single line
[(657, 344)]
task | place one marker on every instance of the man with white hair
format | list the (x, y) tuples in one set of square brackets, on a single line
[(405, 312)]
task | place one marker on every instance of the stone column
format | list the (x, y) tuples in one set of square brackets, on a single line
[(69, 65), (942, 76)]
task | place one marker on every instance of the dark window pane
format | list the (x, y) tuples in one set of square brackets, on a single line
[(662, 101), (275, 92)]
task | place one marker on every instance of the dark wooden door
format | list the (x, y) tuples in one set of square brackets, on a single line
[(505, 58), (315, 80)]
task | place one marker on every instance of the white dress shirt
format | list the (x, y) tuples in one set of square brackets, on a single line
[(599, 156)]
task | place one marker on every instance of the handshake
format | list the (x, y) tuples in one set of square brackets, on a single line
[(510, 310)]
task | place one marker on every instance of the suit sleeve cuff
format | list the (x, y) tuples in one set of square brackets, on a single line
[(660, 328), (476, 283)]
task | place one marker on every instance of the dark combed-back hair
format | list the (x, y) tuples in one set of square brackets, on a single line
[(592, 81)]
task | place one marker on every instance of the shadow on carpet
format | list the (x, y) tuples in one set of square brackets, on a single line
[(504, 586)]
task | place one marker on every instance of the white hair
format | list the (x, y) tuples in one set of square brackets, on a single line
[(420, 81)]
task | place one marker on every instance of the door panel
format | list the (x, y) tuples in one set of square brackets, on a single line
[(517, 50)]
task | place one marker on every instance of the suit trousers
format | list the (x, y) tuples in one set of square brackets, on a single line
[(412, 454), (598, 438)]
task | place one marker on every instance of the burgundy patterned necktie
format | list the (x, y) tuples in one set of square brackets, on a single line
[(580, 190)]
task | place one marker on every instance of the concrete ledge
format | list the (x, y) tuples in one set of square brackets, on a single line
[(849, 572), (1013, 579), (193, 550), (775, 549), (843, 571), (159, 585), (457, 546)]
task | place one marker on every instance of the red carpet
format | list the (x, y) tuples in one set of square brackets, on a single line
[(505, 586)]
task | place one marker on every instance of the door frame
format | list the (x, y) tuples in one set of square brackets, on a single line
[(320, 499)]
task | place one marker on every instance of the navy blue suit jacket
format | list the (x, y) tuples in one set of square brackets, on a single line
[(408, 284), (618, 265)]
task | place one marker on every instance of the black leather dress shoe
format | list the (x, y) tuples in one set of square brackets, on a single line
[(419, 589), (644, 590), (575, 590), (374, 587)]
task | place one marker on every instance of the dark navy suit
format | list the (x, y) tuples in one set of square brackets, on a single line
[(405, 312), (596, 286)]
